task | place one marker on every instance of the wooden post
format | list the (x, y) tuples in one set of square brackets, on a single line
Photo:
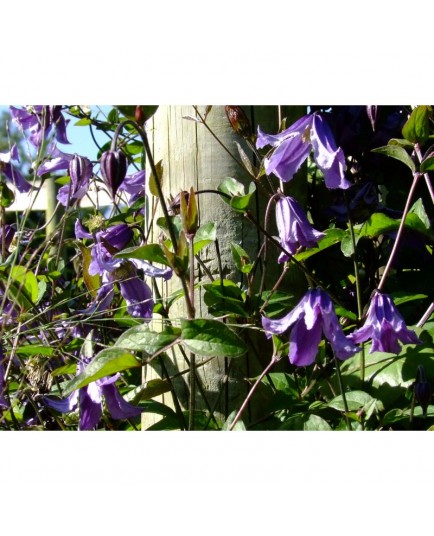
[(192, 157)]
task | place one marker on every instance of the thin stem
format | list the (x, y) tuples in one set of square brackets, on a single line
[(192, 376), (400, 231), (344, 398), (274, 359), (358, 287), (426, 315)]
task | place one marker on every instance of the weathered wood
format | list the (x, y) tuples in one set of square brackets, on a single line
[(192, 157)]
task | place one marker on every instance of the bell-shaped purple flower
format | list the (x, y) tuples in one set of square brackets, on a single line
[(11, 172), (313, 317), (8, 236), (293, 145), (385, 326), (39, 121), (294, 228), (89, 400)]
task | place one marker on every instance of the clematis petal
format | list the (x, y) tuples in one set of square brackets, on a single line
[(152, 271), (288, 157), (16, 178), (304, 342), (90, 407), (138, 296), (118, 407), (64, 405), (277, 326), (328, 157)]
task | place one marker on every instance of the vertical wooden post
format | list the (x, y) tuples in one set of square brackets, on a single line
[(192, 157)]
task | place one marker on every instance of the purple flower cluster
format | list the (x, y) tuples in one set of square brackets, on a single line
[(134, 290), (315, 315)]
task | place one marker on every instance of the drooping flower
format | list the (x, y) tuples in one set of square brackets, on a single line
[(80, 172), (293, 145), (89, 400), (385, 326), (40, 120), (310, 319), (294, 227), (11, 172)]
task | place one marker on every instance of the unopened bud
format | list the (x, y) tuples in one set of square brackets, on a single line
[(239, 122), (113, 168)]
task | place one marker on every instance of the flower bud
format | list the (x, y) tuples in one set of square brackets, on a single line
[(79, 168), (239, 122), (114, 169)]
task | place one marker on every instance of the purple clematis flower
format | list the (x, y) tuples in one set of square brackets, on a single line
[(294, 228), (11, 172), (385, 326), (134, 185), (79, 169), (40, 120), (134, 290), (312, 317), (89, 400), (293, 146)]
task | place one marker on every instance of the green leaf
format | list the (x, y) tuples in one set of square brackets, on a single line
[(401, 142), (149, 252), (355, 400), (150, 389), (34, 349), (42, 287), (211, 338), (206, 234), (420, 212), (397, 152), (92, 282), (239, 426), (142, 339), (107, 362), (306, 422), (224, 297), (416, 129), (24, 287), (83, 122), (240, 199), (427, 164), (332, 236), (283, 382), (152, 180), (241, 259), (378, 224)]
